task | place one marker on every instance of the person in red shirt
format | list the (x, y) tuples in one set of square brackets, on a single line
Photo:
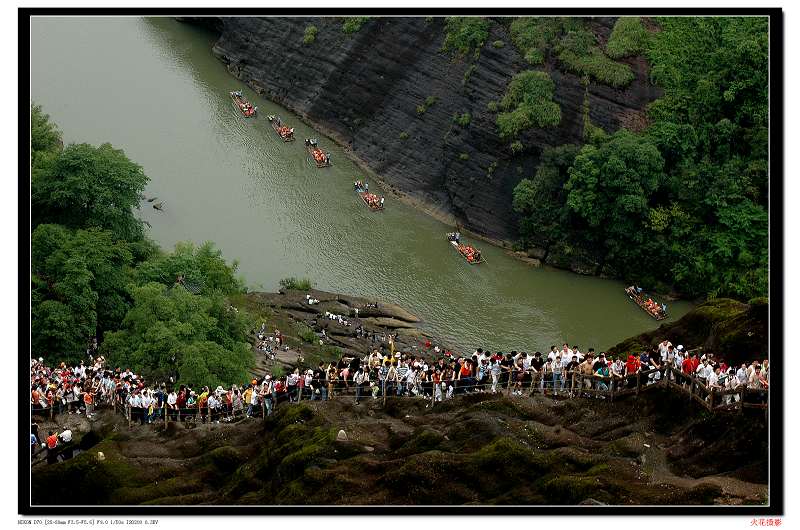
[(689, 366), (631, 367), (52, 444)]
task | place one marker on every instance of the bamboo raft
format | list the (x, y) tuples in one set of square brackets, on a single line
[(318, 156), (641, 301), (276, 123), (242, 104), (460, 249), (363, 194)]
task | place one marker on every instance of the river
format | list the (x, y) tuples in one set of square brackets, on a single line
[(153, 88)]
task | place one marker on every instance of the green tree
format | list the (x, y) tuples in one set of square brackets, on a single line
[(540, 201), (170, 331), (610, 187), (45, 136), (528, 102), (87, 272), (465, 34), (202, 268), (86, 186)]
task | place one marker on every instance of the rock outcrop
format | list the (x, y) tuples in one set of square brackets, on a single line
[(364, 89)]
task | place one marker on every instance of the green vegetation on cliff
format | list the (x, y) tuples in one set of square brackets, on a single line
[(684, 203), (629, 37), (94, 274), (528, 102), (465, 34), (353, 24), (578, 53)]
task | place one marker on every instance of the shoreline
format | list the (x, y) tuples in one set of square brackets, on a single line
[(421, 203)]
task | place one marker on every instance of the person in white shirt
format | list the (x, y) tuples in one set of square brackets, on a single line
[(704, 371), (172, 400), (66, 436), (361, 380), (663, 348)]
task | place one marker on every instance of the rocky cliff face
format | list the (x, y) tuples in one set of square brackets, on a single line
[(363, 89)]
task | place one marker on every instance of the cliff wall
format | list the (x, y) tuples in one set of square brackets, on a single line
[(364, 88)]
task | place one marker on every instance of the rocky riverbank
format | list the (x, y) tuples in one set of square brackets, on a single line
[(656, 448)]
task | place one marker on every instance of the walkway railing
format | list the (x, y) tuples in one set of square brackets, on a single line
[(578, 386)]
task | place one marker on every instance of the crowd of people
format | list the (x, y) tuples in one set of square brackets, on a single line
[(341, 319), (433, 372)]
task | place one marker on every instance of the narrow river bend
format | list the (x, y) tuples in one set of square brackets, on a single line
[(153, 88)]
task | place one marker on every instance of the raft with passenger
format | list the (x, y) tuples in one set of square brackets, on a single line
[(320, 158), (372, 201), (470, 253), (651, 307), (247, 109), (286, 133)]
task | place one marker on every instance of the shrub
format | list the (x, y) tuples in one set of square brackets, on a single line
[(430, 100), (498, 44), (578, 53), (528, 103), (306, 333), (492, 106), (628, 38), (353, 24), (465, 34), (516, 147), (404, 135), (299, 284), (421, 109), (463, 120), (463, 156), (533, 35), (310, 35)]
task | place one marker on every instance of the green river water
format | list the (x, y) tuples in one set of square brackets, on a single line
[(153, 88)]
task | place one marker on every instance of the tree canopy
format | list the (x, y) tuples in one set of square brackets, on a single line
[(682, 204), (86, 186), (95, 275)]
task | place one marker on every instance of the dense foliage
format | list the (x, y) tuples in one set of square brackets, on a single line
[(578, 53), (45, 136), (87, 186), (465, 34), (684, 203), (629, 37), (534, 36), (528, 102), (94, 274)]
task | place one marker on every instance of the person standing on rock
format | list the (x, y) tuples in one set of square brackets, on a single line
[(360, 379), (558, 371)]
